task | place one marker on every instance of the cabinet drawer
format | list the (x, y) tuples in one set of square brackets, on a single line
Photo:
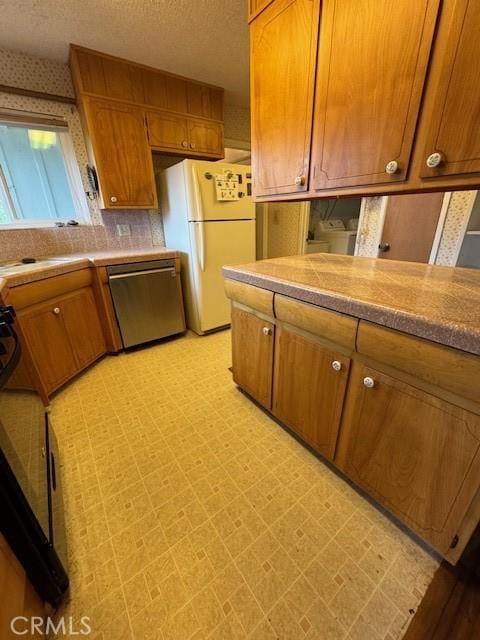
[(450, 369), (330, 325), (33, 292), (253, 297)]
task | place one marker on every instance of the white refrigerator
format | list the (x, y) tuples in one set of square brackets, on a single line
[(209, 216)]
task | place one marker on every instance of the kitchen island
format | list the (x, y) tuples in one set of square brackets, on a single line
[(375, 365)]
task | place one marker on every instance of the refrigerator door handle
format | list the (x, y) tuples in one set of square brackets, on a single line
[(200, 226), (197, 195)]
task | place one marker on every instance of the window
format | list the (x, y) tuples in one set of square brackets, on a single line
[(39, 178)]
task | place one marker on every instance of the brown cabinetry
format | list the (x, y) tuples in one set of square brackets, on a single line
[(123, 157), (396, 100), (372, 63), (168, 131), (416, 454), (283, 48), (129, 109), (449, 140), (63, 335), (252, 355), (399, 415), (309, 388)]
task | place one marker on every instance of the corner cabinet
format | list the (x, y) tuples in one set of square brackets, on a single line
[(390, 87), (59, 326), (130, 110), (122, 154), (398, 415)]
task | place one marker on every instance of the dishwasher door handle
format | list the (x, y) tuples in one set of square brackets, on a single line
[(142, 273)]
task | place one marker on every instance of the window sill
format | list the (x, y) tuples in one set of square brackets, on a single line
[(41, 224)]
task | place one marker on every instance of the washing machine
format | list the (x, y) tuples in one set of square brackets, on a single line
[(317, 246), (340, 239)]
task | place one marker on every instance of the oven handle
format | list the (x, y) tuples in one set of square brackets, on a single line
[(116, 276), (14, 359)]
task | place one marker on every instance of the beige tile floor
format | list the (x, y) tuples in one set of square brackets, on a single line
[(192, 514)]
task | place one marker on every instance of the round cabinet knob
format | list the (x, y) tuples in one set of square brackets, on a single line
[(435, 159), (185, 144), (391, 167), (384, 246), (336, 365), (192, 145), (113, 199), (299, 181), (56, 310), (267, 331), (369, 382)]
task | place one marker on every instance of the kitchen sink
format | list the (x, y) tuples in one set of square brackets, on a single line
[(17, 266)]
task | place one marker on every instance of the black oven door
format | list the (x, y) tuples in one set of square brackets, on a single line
[(22, 430)]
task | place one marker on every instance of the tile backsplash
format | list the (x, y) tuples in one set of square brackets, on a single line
[(22, 243)]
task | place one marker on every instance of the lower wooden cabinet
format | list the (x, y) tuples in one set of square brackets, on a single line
[(409, 437), (63, 335), (416, 454), (252, 355), (309, 388)]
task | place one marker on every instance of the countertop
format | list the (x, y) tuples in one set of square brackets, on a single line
[(56, 265), (438, 303)]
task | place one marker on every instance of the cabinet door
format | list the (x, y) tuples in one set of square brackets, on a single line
[(371, 69), (449, 125), (283, 43), (252, 355), (122, 154), (164, 91), (205, 137), (204, 101), (309, 388), (108, 77), (414, 453), (167, 131), (44, 330), (80, 316)]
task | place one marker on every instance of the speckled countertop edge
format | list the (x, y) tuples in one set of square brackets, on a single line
[(75, 262), (467, 340)]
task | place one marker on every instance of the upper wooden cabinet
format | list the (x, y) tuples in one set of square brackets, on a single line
[(123, 157), (392, 90), (283, 49), (168, 131), (372, 64), (449, 140), (129, 110)]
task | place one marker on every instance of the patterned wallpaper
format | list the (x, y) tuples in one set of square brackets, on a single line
[(284, 226), (24, 71)]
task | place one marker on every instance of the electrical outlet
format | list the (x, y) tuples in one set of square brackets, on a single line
[(123, 229)]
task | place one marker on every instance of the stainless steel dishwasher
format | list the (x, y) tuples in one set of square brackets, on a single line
[(148, 300)]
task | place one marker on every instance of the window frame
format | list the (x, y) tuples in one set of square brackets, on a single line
[(77, 190)]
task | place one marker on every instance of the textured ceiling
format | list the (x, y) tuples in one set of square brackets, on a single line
[(202, 39)]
